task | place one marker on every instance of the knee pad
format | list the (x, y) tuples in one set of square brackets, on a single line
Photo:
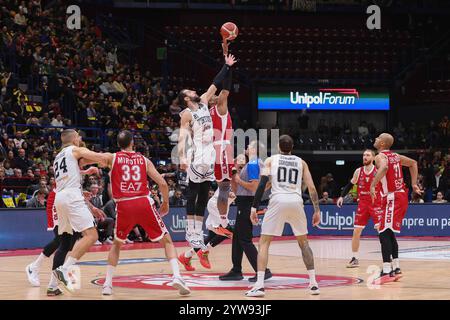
[(224, 190)]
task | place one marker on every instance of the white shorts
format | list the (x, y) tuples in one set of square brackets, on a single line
[(198, 173), (73, 212), (214, 219), (278, 213)]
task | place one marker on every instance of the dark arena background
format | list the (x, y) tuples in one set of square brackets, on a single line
[(332, 74)]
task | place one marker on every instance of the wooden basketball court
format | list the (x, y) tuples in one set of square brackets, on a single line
[(425, 264)]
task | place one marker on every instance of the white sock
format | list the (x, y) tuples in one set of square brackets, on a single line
[(396, 263), (387, 267), (109, 275), (260, 279), (38, 262), (190, 225), (208, 247), (198, 226), (312, 277), (355, 255), (175, 267), (53, 283), (189, 253), (69, 262)]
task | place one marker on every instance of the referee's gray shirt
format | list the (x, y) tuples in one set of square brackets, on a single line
[(251, 171)]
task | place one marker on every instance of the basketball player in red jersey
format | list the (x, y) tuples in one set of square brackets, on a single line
[(224, 163), (363, 176), (394, 202), (129, 186)]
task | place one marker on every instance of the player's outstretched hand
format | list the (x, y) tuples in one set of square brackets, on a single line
[(316, 218), (254, 216), (339, 202), (230, 60), (417, 189), (87, 195), (92, 170), (164, 209), (99, 214)]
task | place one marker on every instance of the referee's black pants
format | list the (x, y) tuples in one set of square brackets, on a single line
[(243, 234)]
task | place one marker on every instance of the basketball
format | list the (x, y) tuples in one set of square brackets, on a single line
[(229, 31)]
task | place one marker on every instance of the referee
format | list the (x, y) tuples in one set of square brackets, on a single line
[(247, 180)]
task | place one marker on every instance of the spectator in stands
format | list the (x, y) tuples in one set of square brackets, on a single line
[(96, 199), (44, 120), (438, 182), (9, 171), (210, 193), (440, 198), (177, 200), (22, 162), (57, 121), (323, 186), (110, 209), (38, 201), (325, 199), (416, 198), (41, 185), (18, 140), (363, 130)]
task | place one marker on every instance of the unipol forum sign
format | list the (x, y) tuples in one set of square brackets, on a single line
[(323, 98)]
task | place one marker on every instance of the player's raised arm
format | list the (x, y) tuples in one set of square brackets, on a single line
[(186, 118), (222, 102), (313, 195), (89, 156), (260, 190), (381, 164), (348, 187), (413, 170), (162, 184), (229, 61)]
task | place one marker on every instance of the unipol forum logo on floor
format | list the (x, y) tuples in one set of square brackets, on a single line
[(210, 281)]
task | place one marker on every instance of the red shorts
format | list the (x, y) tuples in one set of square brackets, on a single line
[(393, 206), (139, 211), (222, 172), (367, 209)]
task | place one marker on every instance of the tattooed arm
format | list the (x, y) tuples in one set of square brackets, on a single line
[(307, 179)]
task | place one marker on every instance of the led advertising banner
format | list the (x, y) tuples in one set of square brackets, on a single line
[(27, 229), (323, 98)]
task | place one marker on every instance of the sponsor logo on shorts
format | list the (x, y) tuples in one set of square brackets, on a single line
[(211, 281), (389, 212)]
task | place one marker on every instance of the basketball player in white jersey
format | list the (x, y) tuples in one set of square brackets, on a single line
[(219, 204), (287, 172), (73, 211), (196, 125)]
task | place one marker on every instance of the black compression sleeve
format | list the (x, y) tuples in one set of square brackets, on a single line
[(228, 81), (346, 189), (260, 191), (221, 75)]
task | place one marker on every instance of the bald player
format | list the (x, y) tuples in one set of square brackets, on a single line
[(73, 211), (394, 202)]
